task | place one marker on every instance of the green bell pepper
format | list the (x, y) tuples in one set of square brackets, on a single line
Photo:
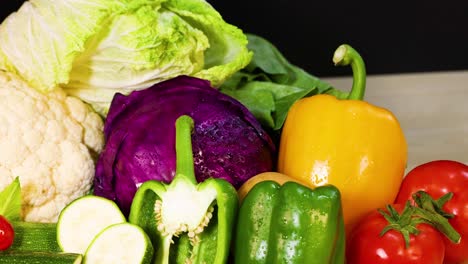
[(186, 221), (290, 224)]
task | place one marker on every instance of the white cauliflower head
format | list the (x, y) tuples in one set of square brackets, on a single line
[(50, 141)]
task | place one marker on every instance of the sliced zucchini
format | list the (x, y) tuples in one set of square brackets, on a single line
[(84, 218), (35, 257), (35, 237), (123, 243)]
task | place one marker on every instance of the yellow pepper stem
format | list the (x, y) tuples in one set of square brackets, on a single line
[(346, 55)]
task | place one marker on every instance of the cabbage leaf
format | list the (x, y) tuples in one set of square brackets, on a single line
[(94, 49), (41, 40)]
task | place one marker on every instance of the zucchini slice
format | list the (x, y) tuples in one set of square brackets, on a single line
[(123, 243), (84, 218)]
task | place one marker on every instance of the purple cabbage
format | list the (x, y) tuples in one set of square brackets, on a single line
[(228, 142)]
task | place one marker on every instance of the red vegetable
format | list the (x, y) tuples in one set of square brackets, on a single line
[(403, 234), (439, 178), (6, 233), (367, 246)]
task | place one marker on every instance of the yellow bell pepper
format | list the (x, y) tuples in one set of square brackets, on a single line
[(356, 146)]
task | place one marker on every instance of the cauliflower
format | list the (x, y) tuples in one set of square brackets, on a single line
[(51, 142)]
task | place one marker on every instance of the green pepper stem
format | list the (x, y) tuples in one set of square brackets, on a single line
[(184, 156), (346, 55)]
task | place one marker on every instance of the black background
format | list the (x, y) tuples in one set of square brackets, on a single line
[(392, 36)]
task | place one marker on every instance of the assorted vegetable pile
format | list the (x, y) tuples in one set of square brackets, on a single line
[(156, 132)]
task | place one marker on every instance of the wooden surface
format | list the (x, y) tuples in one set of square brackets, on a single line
[(432, 109)]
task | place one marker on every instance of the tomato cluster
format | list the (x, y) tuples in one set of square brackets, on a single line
[(368, 244)]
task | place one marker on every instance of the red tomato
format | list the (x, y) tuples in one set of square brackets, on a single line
[(366, 246), (438, 178), (6, 233)]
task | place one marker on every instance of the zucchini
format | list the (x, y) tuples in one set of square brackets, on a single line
[(123, 243), (81, 220), (36, 257), (35, 237)]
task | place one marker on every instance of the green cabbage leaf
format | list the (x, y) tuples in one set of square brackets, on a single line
[(96, 48)]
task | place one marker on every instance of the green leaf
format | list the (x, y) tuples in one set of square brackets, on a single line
[(10, 201), (260, 102), (270, 84)]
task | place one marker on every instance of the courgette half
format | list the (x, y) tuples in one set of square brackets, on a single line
[(123, 243), (83, 219), (36, 257), (35, 237)]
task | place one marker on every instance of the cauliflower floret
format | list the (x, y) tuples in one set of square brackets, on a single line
[(51, 142)]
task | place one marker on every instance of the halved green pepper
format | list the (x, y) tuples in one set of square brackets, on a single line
[(186, 221), (290, 224)]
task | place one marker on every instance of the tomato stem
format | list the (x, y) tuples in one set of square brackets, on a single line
[(431, 211), (427, 210), (404, 223)]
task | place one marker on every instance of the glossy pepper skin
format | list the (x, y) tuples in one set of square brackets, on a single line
[(356, 146), (290, 224), (186, 221)]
